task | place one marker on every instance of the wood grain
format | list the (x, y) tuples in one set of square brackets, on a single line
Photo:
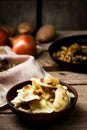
[(75, 121), (65, 14), (13, 12)]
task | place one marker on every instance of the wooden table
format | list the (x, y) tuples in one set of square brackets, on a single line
[(77, 119)]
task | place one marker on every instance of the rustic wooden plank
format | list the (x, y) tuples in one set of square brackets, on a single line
[(81, 104), (64, 15), (70, 77), (13, 12), (66, 33), (5, 110), (74, 121), (45, 60)]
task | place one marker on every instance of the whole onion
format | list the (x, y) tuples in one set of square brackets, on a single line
[(3, 37), (23, 44)]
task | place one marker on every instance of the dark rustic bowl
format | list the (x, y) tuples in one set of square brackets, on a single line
[(67, 41), (40, 117)]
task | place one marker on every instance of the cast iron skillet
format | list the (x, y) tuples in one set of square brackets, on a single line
[(67, 41)]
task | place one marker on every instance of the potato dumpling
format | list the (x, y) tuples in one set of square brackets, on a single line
[(46, 33)]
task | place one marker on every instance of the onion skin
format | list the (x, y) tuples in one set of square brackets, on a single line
[(3, 37), (24, 44)]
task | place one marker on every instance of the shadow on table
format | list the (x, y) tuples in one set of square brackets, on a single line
[(73, 119)]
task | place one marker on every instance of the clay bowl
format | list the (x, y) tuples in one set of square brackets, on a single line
[(41, 117)]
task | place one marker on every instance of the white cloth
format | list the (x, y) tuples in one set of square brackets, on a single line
[(25, 68)]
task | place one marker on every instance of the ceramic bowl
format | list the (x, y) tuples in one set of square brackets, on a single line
[(41, 117)]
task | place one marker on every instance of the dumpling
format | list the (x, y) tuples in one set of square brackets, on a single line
[(41, 106), (62, 100), (25, 94)]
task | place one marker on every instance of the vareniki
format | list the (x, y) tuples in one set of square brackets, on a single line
[(43, 96)]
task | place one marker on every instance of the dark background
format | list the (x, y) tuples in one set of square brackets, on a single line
[(64, 14)]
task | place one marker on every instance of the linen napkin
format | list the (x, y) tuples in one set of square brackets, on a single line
[(23, 68)]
